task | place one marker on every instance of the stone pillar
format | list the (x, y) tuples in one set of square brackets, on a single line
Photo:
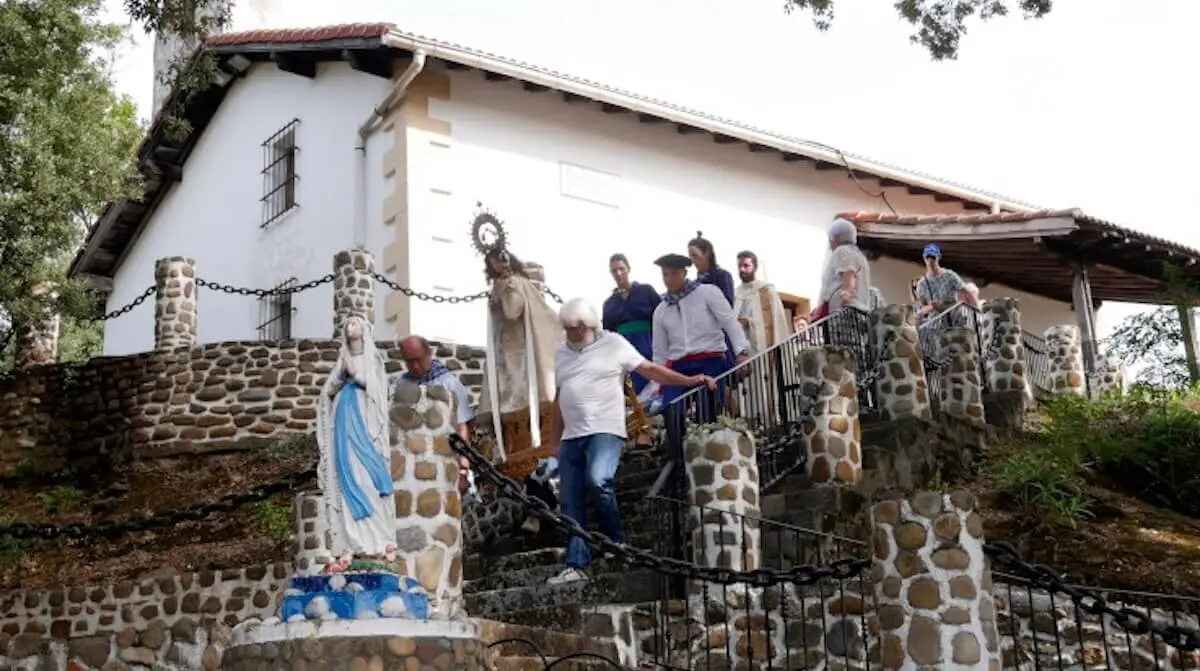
[(428, 510), (313, 541), (832, 434), (353, 287), (1110, 377), (722, 471), (1003, 348), (37, 341), (901, 385), (1064, 350), (175, 302), (934, 591), (961, 394)]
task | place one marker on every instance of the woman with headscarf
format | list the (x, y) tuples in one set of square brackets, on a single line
[(352, 436), (629, 311)]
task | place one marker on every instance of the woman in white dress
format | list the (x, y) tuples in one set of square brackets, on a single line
[(352, 434)]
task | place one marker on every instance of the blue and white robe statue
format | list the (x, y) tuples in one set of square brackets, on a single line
[(352, 435)]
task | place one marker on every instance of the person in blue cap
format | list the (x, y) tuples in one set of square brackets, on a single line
[(938, 289)]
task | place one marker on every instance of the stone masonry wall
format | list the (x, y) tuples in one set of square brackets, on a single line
[(182, 621), (185, 401)]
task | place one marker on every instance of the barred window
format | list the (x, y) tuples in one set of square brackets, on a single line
[(275, 314), (279, 173)]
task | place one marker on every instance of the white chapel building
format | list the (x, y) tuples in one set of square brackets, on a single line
[(314, 141)]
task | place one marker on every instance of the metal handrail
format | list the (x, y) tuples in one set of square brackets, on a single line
[(795, 336)]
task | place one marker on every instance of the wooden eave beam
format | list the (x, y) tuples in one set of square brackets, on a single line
[(968, 232), (377, 63), (294, 63)]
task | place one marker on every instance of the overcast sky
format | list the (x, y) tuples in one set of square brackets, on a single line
[(1092, 107)]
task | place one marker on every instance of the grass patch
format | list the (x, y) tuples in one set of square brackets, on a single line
[(273, 520), (1146, 443)]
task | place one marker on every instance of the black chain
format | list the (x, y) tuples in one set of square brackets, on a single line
[(557, 299), (422, 296), (841, 569), (263, 293), (131, 305), (1089, 600), (113, 529)]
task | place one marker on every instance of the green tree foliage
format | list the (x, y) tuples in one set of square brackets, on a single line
[(1153, 342), (1161, 342), (938, 24), (66, 148)]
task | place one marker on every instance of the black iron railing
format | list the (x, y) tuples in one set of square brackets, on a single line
[(1045, 629), (930, 331), (698, 624), (1037, 360)]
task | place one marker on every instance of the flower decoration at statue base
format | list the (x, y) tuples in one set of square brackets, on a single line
[(364, 592)]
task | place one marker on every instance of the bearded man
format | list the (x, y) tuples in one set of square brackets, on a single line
[(588, 431), (758, 307)]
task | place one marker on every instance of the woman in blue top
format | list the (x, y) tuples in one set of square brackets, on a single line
[(629, 310), (700, 251)]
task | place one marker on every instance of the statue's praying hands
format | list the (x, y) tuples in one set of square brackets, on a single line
[(348, 369)]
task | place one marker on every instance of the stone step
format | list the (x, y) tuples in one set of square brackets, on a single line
[(541, 565), (536, 664), (796, 494), (552, 644), (508, 605), (488, 564)]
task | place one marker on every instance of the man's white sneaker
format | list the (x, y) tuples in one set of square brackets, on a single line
[(568, 575)]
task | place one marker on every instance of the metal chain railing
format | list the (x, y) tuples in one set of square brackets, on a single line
[(546, 663), (125, 309), (111, 529), (1005, 558), (422, 296), (841, 569), (283, 290)]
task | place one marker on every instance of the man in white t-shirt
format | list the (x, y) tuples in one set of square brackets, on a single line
[(588, 433)]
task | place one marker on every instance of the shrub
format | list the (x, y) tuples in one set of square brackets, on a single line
[(1147, 443)]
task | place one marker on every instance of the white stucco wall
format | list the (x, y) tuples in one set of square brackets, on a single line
[(508, 149), (214, 214)]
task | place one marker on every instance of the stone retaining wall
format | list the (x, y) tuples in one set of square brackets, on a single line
[(842, 627), (182, 621), (185, 401)]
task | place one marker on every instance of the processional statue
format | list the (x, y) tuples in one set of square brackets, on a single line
[(522, 336)]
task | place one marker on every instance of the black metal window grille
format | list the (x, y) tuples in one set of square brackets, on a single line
[(275, 313), (279, 173)]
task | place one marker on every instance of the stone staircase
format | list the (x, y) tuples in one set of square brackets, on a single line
[(506, 579), (520, 655)]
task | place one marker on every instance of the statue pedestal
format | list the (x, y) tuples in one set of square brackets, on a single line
[(352, 644)]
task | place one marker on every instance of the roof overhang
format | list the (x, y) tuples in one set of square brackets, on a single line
[(1036, 252)]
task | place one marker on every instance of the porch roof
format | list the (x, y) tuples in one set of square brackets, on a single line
[(1034, 251)]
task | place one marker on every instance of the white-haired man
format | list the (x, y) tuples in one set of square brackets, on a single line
[(588, 431)]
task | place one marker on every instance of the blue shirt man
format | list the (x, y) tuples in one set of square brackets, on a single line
[(422, 368)]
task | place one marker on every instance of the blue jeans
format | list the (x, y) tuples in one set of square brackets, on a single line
[(586, 467)]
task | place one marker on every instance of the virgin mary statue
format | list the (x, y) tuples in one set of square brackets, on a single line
[(523, 334), (352, 434)]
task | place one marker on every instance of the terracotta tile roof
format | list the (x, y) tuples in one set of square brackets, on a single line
[(978, 218), (345, 31)]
